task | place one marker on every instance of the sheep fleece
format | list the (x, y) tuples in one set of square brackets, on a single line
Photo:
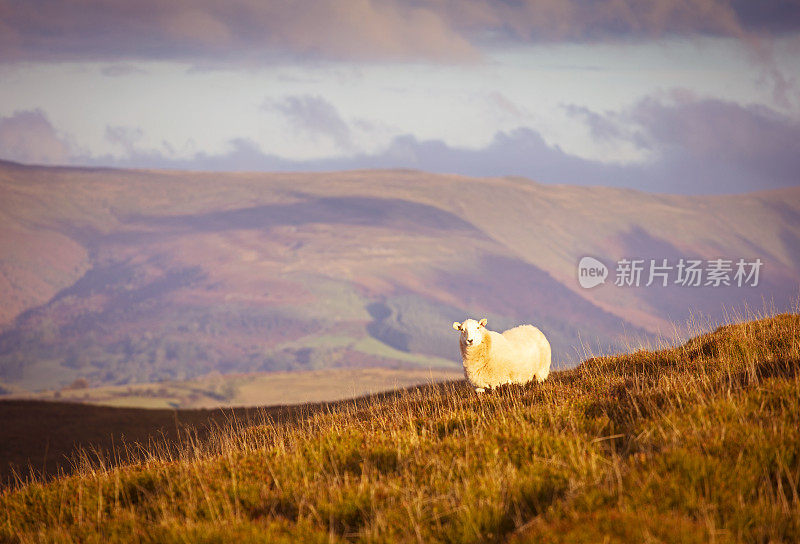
[(517, 356)]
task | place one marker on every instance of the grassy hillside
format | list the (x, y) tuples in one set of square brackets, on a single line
[(44, 439), (696, 443), (123, 277)]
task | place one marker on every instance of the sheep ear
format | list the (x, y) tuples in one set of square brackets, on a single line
[(457, 325), (483, 322)]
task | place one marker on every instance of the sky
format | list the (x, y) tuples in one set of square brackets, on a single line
[(673, 96)]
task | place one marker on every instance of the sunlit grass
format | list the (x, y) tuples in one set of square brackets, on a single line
[(693, 443)]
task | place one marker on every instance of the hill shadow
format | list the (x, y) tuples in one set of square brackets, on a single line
[(43, 437), (678, 303), (356, 211)]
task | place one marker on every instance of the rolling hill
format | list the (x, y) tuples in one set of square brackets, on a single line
[(121, 277), (695, 443)]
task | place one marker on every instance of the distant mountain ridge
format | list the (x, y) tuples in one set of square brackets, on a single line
[(121, 276)]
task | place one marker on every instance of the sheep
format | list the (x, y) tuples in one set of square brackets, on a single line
[(491, 359)]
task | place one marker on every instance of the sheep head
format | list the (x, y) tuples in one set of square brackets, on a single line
[(471, 331)]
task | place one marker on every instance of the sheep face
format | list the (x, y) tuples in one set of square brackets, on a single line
[(471, 331)]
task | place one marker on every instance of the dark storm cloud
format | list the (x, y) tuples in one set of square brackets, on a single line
[(439, 30)]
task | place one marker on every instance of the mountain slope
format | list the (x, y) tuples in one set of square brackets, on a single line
[(136, 276), (691, 444)]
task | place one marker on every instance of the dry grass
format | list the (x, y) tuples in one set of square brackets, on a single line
[(693, 443)]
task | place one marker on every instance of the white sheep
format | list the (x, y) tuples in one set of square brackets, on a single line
[(491, 359)]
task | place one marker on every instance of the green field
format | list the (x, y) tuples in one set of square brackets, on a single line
[(694, 443)]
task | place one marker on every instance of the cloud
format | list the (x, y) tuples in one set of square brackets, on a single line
[(117, 70), (242, 155), (755, 140), (602, 127), (438, 30), (28, 137), (782, 88), (774, 16), (696, 145), (521, 152), (314, 116), (234, 31), (706, 142), (696, 151), (124, 137), (196, 26), (587, 20), (500, 103)]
